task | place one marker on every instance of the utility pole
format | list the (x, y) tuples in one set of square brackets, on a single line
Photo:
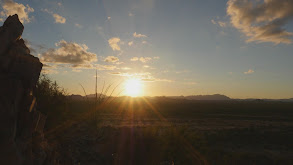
[(96, 86)]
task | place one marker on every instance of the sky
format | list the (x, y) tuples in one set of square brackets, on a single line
[(239, 48)]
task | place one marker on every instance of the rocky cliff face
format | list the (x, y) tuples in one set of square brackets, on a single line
[(21, 129)]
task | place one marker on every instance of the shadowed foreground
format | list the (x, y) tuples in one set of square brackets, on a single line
[(168, 131)]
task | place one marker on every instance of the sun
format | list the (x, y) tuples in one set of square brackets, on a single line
[(133, 87)]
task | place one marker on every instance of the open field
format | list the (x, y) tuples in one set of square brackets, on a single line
[(167, 131)]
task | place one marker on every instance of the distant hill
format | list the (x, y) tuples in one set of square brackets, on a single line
[(94, 95), (75, 97), (208, 97), (79, 97), (203, 97)]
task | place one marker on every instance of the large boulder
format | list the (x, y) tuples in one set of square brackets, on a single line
[(20, 122)]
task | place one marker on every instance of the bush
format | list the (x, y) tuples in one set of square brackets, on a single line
[(49, 94)]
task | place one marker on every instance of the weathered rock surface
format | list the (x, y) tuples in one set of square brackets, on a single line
[(21, 130), (10, 32)]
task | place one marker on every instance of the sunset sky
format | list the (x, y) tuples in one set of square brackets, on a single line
[(239, 48)]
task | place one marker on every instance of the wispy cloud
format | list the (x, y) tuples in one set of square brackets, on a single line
[(156, 80), (190, 83), (138, 35), (78, 25), (125, 68), (105, 67), (250, 71), (10, 8), (111, 59), (49, 71), (145, 59), (143, 76), (71, 53), (219, 23), (114, 43), (262, 21), (58, 18), (214, 22), (136, 75), (222, 24)]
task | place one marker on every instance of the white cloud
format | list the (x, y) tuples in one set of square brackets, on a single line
[(10, 8), (130, 43), (262, 21), (138, 35), (111, 59), (58, 18), (141, 59), (156, 58), (59, 4), (250, 71), (71, 53), (114, 43)]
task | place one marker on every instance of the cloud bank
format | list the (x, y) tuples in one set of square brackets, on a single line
[(76, 55), (10, 8), (262, 20)]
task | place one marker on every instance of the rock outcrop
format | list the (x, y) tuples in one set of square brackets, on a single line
[(21, 130)]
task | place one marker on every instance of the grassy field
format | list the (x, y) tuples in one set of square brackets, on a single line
[(167, 131)]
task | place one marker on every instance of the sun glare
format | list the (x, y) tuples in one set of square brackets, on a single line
[(133, 87)]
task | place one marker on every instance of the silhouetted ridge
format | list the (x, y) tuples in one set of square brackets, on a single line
[(203, 97)]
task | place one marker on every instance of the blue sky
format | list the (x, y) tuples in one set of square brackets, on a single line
[(175, 47)]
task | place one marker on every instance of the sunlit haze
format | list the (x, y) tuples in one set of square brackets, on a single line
[(241, 49)]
